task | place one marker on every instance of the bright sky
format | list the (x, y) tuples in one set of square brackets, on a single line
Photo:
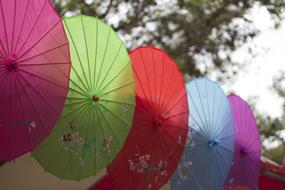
[(256, 79)]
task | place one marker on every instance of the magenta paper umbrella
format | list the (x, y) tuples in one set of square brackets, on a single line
[(34, 74), (245, 167)]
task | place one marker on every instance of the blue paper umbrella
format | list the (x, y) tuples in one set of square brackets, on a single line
[(209, 150)]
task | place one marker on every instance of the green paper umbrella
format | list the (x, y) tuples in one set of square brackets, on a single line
[(99, 108)]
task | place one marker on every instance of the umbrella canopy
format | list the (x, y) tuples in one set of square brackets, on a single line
[(209, 152), (156, 140), (245, 167), (269, 183), (100, 104), (34, 73)]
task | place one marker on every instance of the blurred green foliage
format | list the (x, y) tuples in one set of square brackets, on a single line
[(199, 34)]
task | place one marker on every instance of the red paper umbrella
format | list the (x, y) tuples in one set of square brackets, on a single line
[(156, 141), (269, 183), (34, 74)]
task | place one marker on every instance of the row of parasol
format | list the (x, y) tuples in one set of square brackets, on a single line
[(72, 94)]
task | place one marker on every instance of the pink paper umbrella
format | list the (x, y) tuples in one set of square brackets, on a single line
[(245, 167), (34, 74)]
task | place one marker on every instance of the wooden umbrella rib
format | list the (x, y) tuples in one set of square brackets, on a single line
[(37, 19), (42, 53), (79, 59), (107, 109), (118, 74), (116, 135), (13, 31), (22, 24), (39, 93), (106, 47), (44, 79), (3, 18), (86, 49), (111, 66)]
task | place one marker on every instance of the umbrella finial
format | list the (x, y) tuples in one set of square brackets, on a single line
[(11, 63), (212, 143), (243, 151), (95, 98)]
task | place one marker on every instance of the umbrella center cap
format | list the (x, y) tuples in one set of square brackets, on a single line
[(95, 98), (243, 152), (212, 143), (11, 63), (157, 122)]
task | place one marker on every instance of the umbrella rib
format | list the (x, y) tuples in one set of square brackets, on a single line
[(163, 104), (1, 55), (252, 142), (198, 136), (78, 92), (44, 79), (120, 87), (118, 102), (79, 59), (83, 151), (207, 104), (102, 130), (9, 115), (154, 80), (178, 114), (140, 82), (119, 50), (202, 105), (226, 148), (176, 127), (3, 18), (198, 113), (203, 133), (173, 93), (42, 53), (106, 47), (39, 93), (225, 127), (228, 122), (83, 84), (4, 51), (45, 64), (36, 22), (61, 148), (94, 135), (220, 169), (87, 55), (2, 75), (75, 102), (107, 109), (24, 18), (37, 42), (147, 77), (13, 31), (219, 118), (121, 71), (94, 76), (161, 83), (64, 115), (116, 135), (24, 114), (52, 135), (176, 104), (75, 98), (245, 124), (34, 107)]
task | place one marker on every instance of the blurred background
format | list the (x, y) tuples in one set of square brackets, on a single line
[(239, 43)]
